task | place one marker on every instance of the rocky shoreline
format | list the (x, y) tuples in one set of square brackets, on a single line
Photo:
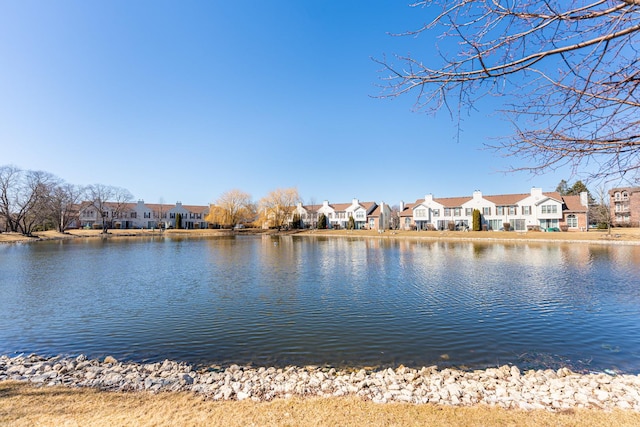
[(505, 386)]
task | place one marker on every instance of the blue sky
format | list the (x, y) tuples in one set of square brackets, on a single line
[(186, 100)]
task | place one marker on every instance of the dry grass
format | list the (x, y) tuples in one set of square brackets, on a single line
[(25, 405), (631, 235)]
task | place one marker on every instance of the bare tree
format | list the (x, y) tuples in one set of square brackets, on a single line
[(25, 198), (312, 209), (108, 200), (10, 181), (34, 203), (600, 211), (568, 69), (64, 202), (278, 206)]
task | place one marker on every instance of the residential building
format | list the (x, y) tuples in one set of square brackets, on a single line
[(520, 212), (141, 215), (380, 217), (575, 213), (338, 214), (624, 204)]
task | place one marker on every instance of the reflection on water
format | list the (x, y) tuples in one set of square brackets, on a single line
[(314, 300)]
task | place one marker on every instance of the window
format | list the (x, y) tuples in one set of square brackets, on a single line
[(486, 211), (134, 215), (447, 211), (495, 224), (549, 209), (360, 215), (468, 211), (512, 210), (526, 210), (435, 212), (617, 195), (625, 195), (499, 210), (421, 213), (147, 214), (572, 221), (457, 211)]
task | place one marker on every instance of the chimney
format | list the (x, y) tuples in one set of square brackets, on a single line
[(584, 199)]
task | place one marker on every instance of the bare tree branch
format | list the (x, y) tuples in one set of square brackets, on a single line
[(568, 71)]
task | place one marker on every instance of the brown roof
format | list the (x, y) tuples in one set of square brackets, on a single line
[(506, 199), (573, 204), (195, 208), (338, 207), (452, 202), (408, 209)]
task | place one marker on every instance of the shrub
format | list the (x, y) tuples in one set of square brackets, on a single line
[(477, 220), (506, 226), (451, 226)]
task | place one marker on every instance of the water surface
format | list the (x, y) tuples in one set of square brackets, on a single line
[(336, 301)]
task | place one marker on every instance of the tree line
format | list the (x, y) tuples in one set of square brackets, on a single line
[(33, 200)]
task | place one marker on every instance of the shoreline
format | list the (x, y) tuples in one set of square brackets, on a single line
[(620, 236), (505, 387)]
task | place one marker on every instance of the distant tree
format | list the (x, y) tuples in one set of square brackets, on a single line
[(563, 188), (35, 207), (568, 71), (395, 217), (296, 221), (159, 214), (64, 202), (10, 195), (477, 220), (25, 198), (278, 206), (232, 207), (600, 212), (107, 200), (322, 221), (178, 221), (575, 190), (351, 224), (312, 213)]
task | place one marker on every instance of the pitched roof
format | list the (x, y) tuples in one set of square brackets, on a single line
[(452, 202), (573, 204), (506, 199)]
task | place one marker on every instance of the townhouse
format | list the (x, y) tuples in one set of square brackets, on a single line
[(520, 212), (142, 215), (365, 214), (624, 205)]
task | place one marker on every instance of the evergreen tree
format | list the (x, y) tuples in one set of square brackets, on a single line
[(178, 221), (322, 221), (477, 220), (351, 224)]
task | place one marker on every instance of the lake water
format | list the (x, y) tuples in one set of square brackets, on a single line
[(324, 301)]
